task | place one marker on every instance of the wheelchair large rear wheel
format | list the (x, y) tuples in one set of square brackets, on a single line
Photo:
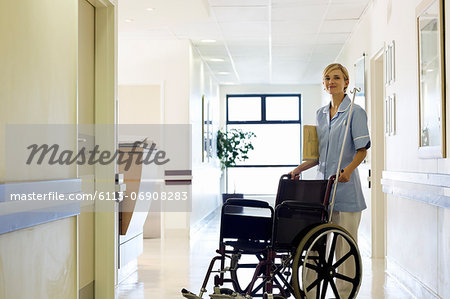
[(327, 264)]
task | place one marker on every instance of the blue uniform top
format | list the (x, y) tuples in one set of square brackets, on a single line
[(349, 196)]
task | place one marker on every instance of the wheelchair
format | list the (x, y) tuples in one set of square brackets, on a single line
[(296, 252)]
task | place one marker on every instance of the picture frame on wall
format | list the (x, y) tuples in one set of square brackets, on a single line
[(389, 63), (390, 115), (207, 131), (431, 74), (204, 128)]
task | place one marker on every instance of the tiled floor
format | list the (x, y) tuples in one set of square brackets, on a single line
[(167, 267)]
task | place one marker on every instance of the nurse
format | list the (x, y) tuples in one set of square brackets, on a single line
[(331, 123)]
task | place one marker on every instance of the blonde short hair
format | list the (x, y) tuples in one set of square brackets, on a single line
[(336, 66)]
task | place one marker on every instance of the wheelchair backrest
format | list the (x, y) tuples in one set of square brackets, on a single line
[(306, 191), (293, 219)]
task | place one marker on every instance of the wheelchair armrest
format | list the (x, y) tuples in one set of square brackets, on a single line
[(247, 203), (293, 204)]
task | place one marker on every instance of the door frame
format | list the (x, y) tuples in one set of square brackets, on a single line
[(378, 198), (106, 213)]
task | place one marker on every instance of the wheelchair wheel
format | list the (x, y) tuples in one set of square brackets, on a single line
[(327, 264)]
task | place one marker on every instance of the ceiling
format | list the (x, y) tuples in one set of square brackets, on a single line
[(256, 41)]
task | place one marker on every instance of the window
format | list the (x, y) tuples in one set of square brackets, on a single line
[(275, 119)]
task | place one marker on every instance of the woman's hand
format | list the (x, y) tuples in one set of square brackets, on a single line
[(345, 175), (295, 174)]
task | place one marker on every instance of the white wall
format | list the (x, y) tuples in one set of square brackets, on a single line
[(184, 79), (417, 233), (206, 183), (139, 104), (158, 62)]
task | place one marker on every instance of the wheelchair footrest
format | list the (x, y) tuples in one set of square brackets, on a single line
[(189, 295), (224, 293)]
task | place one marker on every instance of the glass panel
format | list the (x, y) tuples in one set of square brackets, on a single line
[(282, 108), (244, 108), (255, 180), (275, 144)]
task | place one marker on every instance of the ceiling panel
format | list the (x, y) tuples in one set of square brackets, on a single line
[(245, 30), (346, 11), (294, 40), (197, 30), (255, 60), (211, 50), (239, 14), (243, 48), (295, 29), (332, 38), (298, 12), (260, 41), (291, 51), (338, 26)]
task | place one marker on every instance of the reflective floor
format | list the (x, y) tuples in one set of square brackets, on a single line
[(167, 267)]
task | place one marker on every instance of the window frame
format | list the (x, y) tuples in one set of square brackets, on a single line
[(264, 121)]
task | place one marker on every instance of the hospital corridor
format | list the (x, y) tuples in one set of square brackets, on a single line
[(224, 149)]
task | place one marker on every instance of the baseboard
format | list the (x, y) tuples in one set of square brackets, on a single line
[(204, 221), (125, 272), (409, 282), (87, 292)]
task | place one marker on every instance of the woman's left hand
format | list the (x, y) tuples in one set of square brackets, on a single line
[(344, 176)]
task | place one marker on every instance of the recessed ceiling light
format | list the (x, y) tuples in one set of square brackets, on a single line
[(210, 41), (216, 59), (223, 73), (129, 20), (150, 9)]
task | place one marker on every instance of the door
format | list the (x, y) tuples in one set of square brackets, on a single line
[(85, 119), (378, 213)]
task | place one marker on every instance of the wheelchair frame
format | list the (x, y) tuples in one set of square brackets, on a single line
[(296, 233)]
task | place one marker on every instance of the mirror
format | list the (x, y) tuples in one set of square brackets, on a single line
[(431, 79)]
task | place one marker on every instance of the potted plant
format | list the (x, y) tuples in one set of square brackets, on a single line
[(232, 146)]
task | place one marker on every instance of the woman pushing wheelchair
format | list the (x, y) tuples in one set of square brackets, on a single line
[(331, 121)]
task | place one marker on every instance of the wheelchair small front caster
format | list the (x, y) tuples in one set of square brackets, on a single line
[(267, 296)]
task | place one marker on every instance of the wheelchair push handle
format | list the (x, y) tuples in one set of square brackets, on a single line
[(288, 176)]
